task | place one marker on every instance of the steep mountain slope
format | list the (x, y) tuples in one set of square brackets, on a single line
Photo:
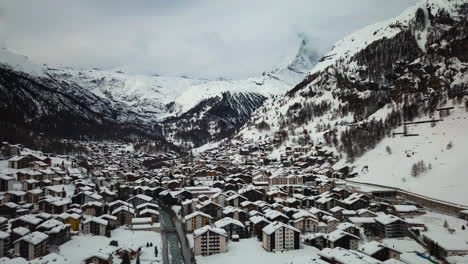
[(35, 105), (212, 119), (374, 80), (191, 111)]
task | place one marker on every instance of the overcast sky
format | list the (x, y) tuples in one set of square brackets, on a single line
[(234, 39)]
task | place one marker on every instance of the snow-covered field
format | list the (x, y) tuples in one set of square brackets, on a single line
[(251, 251), (445, 178), (83, 246)]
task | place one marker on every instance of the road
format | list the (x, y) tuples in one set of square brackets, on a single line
[(176, 249), (171, 246)]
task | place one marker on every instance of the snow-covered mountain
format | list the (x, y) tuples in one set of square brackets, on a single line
[(373, 81), (179, 108)]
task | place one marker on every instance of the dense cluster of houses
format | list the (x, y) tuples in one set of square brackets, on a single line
[(297, 199)]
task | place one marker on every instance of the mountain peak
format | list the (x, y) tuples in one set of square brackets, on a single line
[(295, 69)]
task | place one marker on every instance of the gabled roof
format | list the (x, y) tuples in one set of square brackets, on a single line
[(197, 213), (33, 238), (227, 221), (274, 226), (201, 231), (387, 219)]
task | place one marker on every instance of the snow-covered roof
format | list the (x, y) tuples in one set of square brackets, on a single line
[(337, 234), (33, 238), (141, 220), (95, 220), (373, 247), (228, 221), (21, 231), (342, 255), (208, 228), (274, 226), (405, 208), (197, 213), (447, 241), (387, 219), (4, 235), (257, 219)]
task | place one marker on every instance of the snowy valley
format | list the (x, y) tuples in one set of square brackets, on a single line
[(354, 157)]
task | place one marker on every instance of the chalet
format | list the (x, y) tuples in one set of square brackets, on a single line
[(29, 221), (316, 240), (232, 227), (93, 208), (252, 194), (19, 162), (139, 199), (209, 240), (379, 251), (235, 200), (124, 215), (196, 220), (54, 205), (340, 238), (235, 213), (32, 246), (305, 221), (212, 209), (389, 226), (118, 203), (18, 232), (257, 223), (368, 224), (14, 196), (85, 197), (3, 224), (276, 216), (4, 243), (144, 224), (55, 190), (278, 236), (57, 231), (8, 209), (107, 195), (94, 225), (99, 258), (445, 245), (149, 212), (72, 219), (248, 206), (406, 210), (6, 183)]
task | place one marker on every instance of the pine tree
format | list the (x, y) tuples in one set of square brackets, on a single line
[(446, 224), (125, 258)]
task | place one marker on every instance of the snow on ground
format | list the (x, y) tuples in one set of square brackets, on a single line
[(445, 178), (83, 246), (251, 250), (20, 63), (435, 224), (403, 245)]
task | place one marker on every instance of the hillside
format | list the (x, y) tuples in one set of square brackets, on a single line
[(440, 147), (371, 82)]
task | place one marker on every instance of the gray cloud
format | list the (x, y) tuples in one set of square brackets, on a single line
[(197, 38)]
